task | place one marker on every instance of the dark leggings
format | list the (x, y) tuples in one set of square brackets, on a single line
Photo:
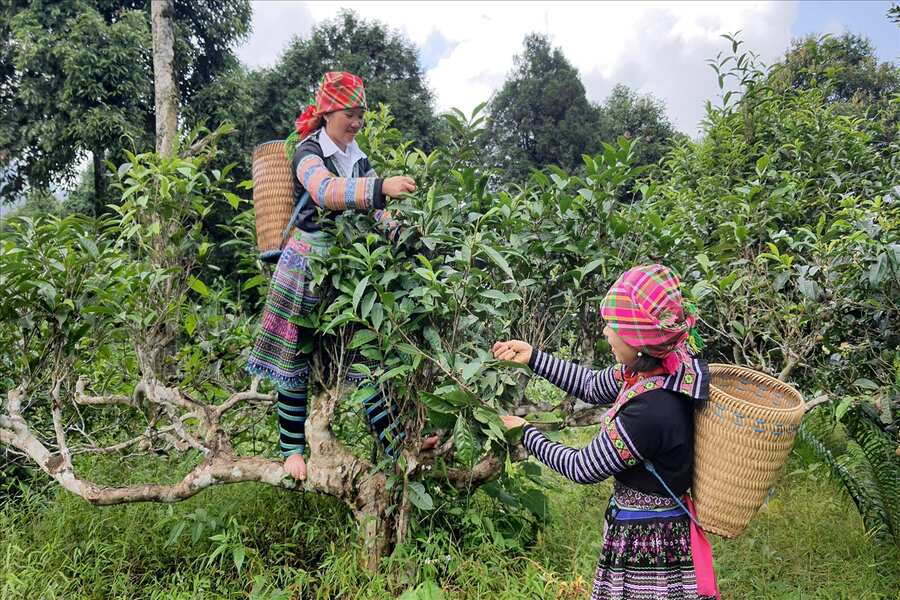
[(292, 413)]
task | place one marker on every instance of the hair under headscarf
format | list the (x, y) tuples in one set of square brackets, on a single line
[(646, 309), (338, 90)]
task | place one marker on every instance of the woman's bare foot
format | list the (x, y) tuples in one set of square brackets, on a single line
[(295, 466), (429, 442)]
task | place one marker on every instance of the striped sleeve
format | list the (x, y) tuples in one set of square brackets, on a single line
[(609, 453), (338, 193), (594, 387), (382, 217)]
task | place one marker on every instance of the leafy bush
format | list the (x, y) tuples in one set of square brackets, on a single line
[(783, 221)]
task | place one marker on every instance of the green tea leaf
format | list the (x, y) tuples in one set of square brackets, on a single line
[(358, 292), (471, 368), (436, 403), (367, 304), (420, 498), (198, 286), (362, 337), (190, 324), (498, 260), (464, 442)]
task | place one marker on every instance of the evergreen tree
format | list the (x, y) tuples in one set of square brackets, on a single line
[(625, 113), (541, 115), (387, 62), (77, 77)]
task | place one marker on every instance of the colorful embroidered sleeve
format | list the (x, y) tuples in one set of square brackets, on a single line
[(595, 387), (390, 224), (338, 193), (609, 453), (383, 217)]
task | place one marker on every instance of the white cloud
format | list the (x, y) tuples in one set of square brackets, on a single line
[(658, 48), (274, 24)]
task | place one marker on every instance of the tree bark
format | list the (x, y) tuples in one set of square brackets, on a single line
[(371, 511), (162, 14), (335, 471)]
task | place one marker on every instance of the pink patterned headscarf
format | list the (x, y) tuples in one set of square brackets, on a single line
[(646, 309), (338, 90)]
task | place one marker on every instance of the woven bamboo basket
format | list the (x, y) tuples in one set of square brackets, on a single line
[(742, 439), (273, 197)]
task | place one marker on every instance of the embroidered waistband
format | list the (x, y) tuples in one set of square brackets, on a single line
[(629, 498)]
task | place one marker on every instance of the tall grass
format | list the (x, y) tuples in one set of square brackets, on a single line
[(252, 541)]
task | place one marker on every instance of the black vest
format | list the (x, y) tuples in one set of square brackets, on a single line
[(661, 425), (308, 219)]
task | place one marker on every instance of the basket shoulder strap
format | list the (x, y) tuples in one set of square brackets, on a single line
[(290, 224), (652, 469)]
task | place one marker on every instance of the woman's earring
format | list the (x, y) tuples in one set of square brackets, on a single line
[(640, 354)]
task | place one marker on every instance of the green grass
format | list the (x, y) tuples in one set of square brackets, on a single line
[(808, 543)]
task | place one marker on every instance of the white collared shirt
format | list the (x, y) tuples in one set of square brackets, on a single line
[(343, 160)]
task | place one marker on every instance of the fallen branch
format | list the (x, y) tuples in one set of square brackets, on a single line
[(488, 468), (816, 402), (84, 399), (249, 396), (149, 434)]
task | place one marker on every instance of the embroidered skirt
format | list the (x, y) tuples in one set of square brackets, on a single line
[(646, 551), (282, 347)]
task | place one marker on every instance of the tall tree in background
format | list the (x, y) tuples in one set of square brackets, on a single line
[(541, 115), (165, 93), (848, 63), (77, 78), (7, 89), (78, 85), (626, 113), (387, 62), (848, 68)]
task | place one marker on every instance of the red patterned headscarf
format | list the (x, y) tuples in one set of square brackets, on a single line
[(338, 90), (646, 309)]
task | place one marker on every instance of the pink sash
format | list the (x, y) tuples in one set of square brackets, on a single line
[(703, 561)]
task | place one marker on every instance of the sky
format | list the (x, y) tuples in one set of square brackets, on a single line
[(467, 48)]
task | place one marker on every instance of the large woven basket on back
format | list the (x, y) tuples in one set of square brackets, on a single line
[(273, 197), (742, 439)]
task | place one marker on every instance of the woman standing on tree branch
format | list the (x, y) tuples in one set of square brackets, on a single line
[(652, 548), (330, 170)]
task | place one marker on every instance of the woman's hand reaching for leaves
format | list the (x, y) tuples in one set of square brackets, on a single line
[(513, 350), (512, 422)]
